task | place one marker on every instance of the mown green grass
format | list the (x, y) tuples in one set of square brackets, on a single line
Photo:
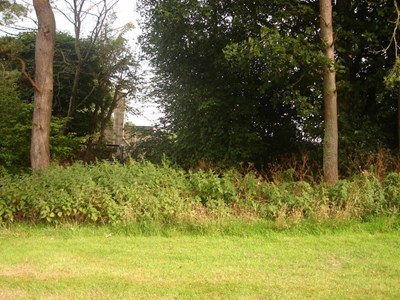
[(362, 262)]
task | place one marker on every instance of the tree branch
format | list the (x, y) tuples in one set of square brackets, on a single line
[(25, 73), (393, 40)]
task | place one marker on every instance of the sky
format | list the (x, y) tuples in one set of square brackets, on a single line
[(126, 12)]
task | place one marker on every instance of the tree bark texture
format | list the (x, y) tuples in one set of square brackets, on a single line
[(330, 152), (43, 97)]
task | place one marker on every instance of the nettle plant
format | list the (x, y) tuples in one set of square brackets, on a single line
[(141, 192)]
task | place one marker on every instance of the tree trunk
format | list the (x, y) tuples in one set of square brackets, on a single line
[(103, 123), (74, 90), (80, 12), (44, 54), (330, 155)]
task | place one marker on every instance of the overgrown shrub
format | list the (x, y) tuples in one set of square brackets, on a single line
[(391, 186), (57, 195), (142, 192), (206, 186)]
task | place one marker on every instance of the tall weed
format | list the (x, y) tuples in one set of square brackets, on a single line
[(391, 186), (141, 192)]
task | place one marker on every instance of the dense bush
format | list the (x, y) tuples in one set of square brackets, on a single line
[(110, 193)]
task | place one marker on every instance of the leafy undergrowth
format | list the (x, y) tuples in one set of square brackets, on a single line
[(143, 193)]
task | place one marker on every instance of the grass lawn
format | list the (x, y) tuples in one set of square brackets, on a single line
[(102, 263)]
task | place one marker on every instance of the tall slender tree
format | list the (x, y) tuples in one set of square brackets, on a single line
[(77, 12), (43, 84), (393, 79), (330, 156)]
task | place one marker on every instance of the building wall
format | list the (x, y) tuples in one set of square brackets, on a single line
[(119, 123)]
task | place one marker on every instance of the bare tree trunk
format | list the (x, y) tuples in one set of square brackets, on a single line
[(103, 122), (330, 155), (74, 91), (44, 54), (81, 10)]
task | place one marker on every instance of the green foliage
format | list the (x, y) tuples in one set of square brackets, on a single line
[(15, 124), (56, 196), (143, 193), (152, 144), (10, 11), (391, 186), (361, 197), (63, 146), (15, 128), (109, 71), (367, 195), (287, 60), (148, 192), (208, 187), (367, 109), (288, 198), (110, 68), (222, 111), (392, 80), (240, 81), (108, 193)]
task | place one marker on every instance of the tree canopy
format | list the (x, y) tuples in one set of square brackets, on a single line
[(109, 73), (242, 80), (237, 81)]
